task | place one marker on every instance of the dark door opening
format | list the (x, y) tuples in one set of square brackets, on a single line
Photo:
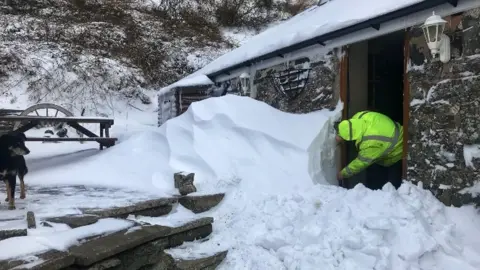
[(375, 82)]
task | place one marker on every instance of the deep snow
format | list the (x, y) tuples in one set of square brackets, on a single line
[(279, 212), (221, 140)]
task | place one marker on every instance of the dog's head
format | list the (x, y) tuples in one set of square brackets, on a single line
[(15, 143)]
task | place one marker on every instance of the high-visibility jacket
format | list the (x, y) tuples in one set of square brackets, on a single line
[(378, 139)]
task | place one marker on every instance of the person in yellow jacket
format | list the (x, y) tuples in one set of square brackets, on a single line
[(378, 140)]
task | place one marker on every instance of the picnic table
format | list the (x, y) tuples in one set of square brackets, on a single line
[(25, 122)]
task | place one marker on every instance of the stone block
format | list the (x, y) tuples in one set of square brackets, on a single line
[(206, 263), (199, 204), (154, 212), (184, 182), (107, 246), (165, 262), (31, 223), (74, 221), (197, 223), (51, 260), (138, 248), (150, 253), (160, 205), (190, 235), (10, 264), (4, 234)]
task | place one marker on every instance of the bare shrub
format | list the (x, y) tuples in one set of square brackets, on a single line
[(293, 7)]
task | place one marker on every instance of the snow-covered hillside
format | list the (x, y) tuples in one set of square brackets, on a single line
[(109, 56)]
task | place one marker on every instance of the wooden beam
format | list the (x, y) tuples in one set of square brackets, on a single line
[(16, 118), (83, 130), (343, 97), (406, 102), (27, 126), (78, 139)]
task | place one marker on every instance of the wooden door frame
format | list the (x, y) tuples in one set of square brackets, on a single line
[(344, 99), (406, 99)]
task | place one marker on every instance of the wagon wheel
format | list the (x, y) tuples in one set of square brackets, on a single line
[(45, 109)]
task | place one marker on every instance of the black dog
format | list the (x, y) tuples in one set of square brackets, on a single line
[(22, 170), (12, 150)]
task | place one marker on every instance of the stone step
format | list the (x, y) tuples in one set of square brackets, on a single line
[(138, 247), (104, 247), (74, 221), (4, 234), (50, 260), (151, 208), (205, 263), (201, 203)]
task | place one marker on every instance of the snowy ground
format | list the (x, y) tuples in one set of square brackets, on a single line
[(280, 211)]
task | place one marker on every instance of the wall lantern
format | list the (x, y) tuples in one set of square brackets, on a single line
[(437, 41), (245, 82)]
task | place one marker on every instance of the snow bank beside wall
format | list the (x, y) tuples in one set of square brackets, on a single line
[(226, 141), (239, 139)]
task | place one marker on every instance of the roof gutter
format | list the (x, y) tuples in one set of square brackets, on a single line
[(371, 23)]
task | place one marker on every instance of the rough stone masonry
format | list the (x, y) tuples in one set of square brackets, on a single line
[(314, 92), (444, 112)]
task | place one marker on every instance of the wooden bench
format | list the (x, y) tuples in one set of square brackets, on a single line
[(107, 142), (28, 122)]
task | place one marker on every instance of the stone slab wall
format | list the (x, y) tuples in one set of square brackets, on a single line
[(445, 113), (313, 88)]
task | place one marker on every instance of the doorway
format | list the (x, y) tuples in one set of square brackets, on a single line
[(376, 83)]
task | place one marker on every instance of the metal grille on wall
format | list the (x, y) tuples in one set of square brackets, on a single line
[(291, 82)]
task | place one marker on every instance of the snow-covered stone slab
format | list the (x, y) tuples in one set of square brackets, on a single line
[(5, 234), (156, 207), (203, 203), (50, 260), (157, 237), (208, 262)]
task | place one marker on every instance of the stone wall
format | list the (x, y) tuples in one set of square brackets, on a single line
[(444, 113), (299, 86)]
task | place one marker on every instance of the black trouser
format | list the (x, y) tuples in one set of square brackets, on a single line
[(378, 176)]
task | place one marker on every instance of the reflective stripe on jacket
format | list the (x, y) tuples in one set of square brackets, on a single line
[(378, 139)]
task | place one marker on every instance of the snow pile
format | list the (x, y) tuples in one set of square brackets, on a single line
[(274, 214), (222, 140), (338, 229)]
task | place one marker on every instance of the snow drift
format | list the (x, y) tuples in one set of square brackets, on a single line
[(221, 140), (279, 211)]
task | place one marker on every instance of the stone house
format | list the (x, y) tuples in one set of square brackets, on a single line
[(374, 58)]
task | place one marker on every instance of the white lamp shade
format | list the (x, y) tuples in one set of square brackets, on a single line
[(433, 30), (244, 76), (245, 81)]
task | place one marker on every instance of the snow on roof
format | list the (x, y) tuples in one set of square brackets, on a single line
[(191, 80), (313, 22)]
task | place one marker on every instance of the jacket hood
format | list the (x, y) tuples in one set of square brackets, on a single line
[(351, 130)]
